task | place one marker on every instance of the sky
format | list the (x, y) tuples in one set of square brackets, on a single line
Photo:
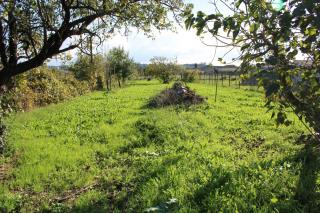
[(183, 45)]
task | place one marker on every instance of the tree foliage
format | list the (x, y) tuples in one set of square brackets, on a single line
[(271, 39), (35, 30), (163, 68), (89, 69), (189, 75), (120, 64)]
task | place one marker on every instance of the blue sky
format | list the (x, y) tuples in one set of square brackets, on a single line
[(183, 45)]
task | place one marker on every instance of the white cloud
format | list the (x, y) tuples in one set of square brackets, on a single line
[(184, 45)]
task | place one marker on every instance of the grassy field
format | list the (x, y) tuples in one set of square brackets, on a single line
[(109, 153)]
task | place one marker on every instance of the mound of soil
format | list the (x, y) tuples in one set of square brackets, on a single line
[(179, 94)]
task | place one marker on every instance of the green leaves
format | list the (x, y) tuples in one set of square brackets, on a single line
[(272, 60), (120, 63), (211, 17), (299, 10), (292, 54), (238, 3), (311, 31), (189, 21), (200, 21), (274, 200), (276, 37), (253, 27), (235, 33), (244, 47), (217, 24), (271, 89)]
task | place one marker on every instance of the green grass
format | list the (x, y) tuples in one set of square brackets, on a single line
[(109, 153)]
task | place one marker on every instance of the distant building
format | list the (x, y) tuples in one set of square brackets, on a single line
[(226, 69)]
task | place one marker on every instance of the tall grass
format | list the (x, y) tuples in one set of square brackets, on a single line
[(108, 153)]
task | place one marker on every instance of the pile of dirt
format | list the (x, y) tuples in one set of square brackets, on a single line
[(179, 94)]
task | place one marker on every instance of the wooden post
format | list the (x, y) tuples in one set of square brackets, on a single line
[(215, 97), (229, 80), (222, 79), (212, 78), (239, 82)]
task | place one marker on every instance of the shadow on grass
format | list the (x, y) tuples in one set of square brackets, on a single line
[(121, 196), (307, 193), (306, 196)]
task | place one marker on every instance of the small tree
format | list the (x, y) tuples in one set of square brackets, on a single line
[(90, 69), (163, 68), (120, 63), (189, 75)]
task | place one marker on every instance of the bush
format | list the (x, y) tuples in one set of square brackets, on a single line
[(99, 84), (89, 71), (43, 86), (163, 69), (119, 64), (189, 75)]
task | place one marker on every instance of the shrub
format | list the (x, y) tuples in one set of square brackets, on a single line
[(89, 69), (120, 64), (163, 69), (189, 75), (43, 86), (99, 84)]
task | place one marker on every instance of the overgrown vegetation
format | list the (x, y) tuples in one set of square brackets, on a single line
[(163, 69), (272, 35), (90, 69), (119, 66), (43, 86), (189, 75), (107, 153)]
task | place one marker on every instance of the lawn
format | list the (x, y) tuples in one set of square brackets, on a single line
[(107, 152)]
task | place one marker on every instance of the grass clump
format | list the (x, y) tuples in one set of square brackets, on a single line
[(178, 94)]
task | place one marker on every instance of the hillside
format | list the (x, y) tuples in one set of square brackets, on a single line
[(109, 153)]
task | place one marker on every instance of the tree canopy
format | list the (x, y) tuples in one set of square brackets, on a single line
[(271, 38), (35, 30), (120, 63), (89, 69), (163, 68)]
